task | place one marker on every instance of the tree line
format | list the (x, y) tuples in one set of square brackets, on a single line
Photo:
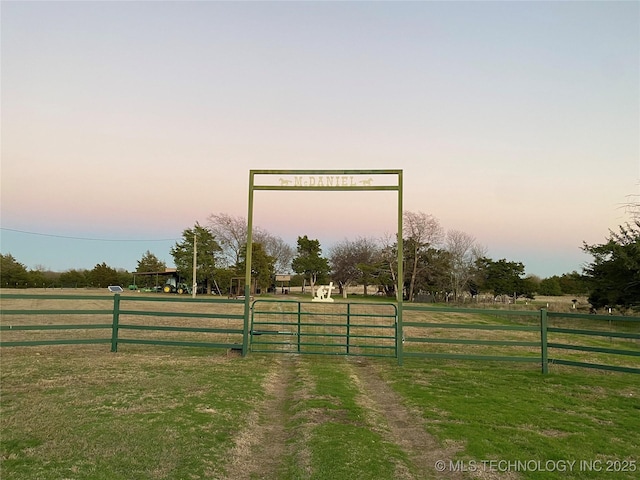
[(438, 265)]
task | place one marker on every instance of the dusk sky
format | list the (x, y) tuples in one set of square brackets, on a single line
[(124, 123)]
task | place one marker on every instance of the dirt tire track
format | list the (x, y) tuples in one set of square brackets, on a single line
[(405, 427), (260, 447)]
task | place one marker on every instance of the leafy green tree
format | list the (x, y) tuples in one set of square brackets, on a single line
[(504, 278), (369, 261), (437, 277), (614, 274), (534, 282), (308, 262), (74, 278), (222, 279), (550, 286), (12, 273), (207, 249), (573, 283), (36, 278), (528, 287), (124, 277), (40, 277), (103, 275), (262, 266), (150, 263), (432, 266)]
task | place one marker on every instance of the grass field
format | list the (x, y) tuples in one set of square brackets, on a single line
[(155, 412)]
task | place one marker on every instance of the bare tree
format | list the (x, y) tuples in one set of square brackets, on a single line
[(632, 206), (369, 259), (422, 231), (389, 255), (354, 261), (280, 250), (343, 265), (464, 251), (231, 234)]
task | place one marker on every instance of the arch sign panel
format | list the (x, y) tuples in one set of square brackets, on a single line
[(331, 181)]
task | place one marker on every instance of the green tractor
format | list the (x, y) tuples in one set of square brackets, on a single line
[(172, 285)]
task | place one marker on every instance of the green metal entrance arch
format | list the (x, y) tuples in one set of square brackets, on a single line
[(324, 180)]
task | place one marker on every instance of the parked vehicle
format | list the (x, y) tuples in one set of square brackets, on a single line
[(173, 286)]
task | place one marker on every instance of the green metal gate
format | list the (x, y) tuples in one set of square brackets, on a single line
[(324, 328)]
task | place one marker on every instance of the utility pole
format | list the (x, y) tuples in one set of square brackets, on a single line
[(195, 258)]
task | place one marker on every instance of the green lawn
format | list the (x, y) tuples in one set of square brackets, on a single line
[(158, 412), (147, 413), (506, 412), (173, 413)]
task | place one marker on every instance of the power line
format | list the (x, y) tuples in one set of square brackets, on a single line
[(89, 239)]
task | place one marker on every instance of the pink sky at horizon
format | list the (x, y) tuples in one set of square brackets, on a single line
[(515, 122)]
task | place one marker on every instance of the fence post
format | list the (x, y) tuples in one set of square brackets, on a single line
[(116, 320), (399, 331), (543, 341), (348, 327), (247, 313), (299, 321)]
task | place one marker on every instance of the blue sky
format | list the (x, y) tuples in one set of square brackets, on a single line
[(516, 122)]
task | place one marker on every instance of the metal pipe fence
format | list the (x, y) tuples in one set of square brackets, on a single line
[(358, 329), (225, 328), (543, 337), (604, 342)]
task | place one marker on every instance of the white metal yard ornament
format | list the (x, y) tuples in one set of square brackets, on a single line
[(323, 293)]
